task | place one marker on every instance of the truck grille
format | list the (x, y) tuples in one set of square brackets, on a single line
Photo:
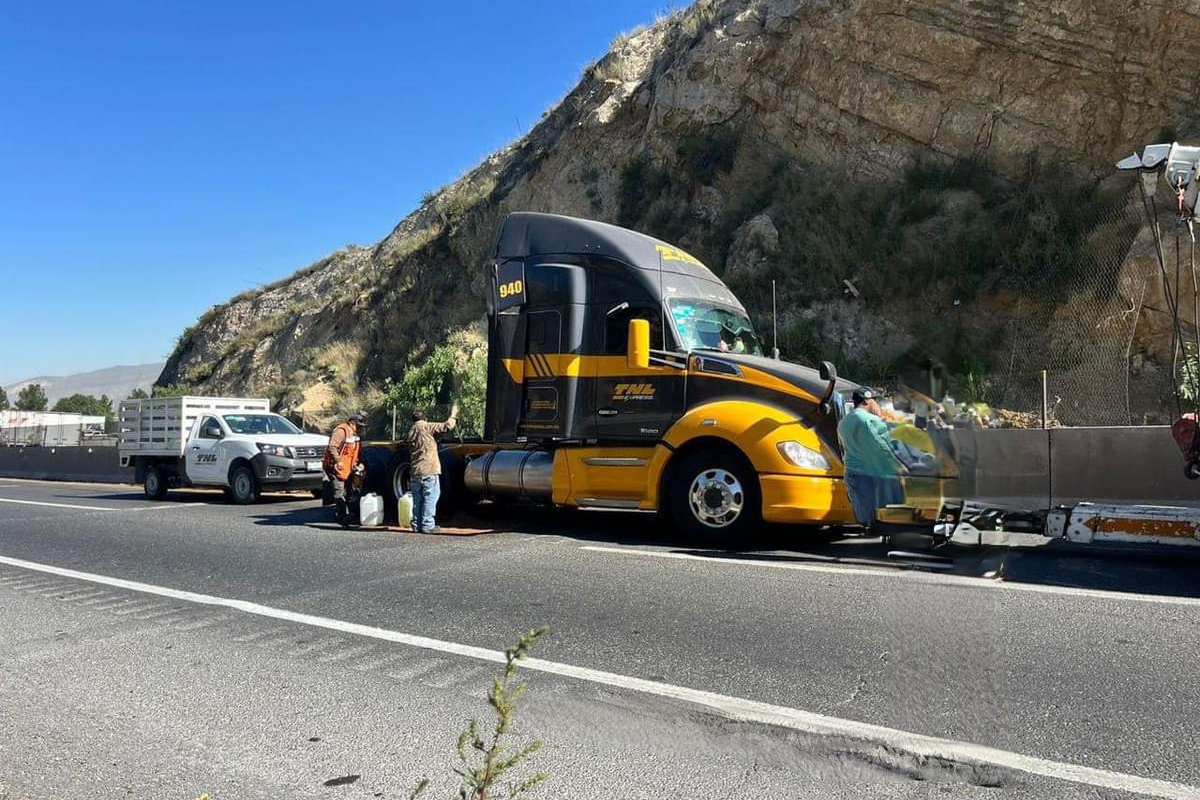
[(309, 452)]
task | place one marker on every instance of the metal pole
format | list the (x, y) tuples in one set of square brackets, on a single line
[(393, 423), (774, 325), (1045, 403)]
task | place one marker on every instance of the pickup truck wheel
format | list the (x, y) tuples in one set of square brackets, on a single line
[(714, 498), (243, 486), (156, 483)]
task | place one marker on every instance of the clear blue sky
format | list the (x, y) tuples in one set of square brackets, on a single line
[(159, 157)]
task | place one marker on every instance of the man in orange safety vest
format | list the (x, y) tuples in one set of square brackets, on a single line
[(341, 460)]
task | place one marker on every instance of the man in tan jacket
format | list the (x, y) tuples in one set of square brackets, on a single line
[(426, 468)]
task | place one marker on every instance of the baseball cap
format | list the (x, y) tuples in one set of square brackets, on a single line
[(861, 395)]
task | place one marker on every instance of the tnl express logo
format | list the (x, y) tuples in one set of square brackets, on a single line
[(206, 458), (633, 391)]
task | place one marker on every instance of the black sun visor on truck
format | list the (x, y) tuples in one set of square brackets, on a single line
[(527, 233)]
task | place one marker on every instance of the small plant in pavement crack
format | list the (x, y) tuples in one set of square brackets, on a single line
[(487, 757)]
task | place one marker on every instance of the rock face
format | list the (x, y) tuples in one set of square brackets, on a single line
[(687, 129), (749, 253)]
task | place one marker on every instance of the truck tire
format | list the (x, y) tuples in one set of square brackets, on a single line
[(400, 476), (243, 486), (155, 484), (714, 498)]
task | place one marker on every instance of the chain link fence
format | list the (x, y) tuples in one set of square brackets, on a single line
[(1089, 342)]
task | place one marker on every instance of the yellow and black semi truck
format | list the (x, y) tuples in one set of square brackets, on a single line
[(623, 374)]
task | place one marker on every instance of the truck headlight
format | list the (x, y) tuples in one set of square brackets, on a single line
[(276, 450), (802, 456)]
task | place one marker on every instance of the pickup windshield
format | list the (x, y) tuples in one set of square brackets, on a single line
[(259, 423), (706, 326)]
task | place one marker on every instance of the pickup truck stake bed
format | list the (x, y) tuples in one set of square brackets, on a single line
[(234, 443)]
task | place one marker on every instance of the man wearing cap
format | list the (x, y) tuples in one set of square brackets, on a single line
[(341, 459), (871, 466), (426, 468)]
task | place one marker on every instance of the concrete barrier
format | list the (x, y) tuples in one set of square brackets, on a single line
[(98, 464), (1040, 469), (1119, 465), (1004, 468)]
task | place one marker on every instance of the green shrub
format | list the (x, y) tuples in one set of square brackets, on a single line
[(642, 182), (1189, 374), (172, 390), (487, 759), (445, 376), (705, 155), (86, 404)]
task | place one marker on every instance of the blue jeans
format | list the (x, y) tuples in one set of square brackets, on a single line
[(869, 493), (425, 492)]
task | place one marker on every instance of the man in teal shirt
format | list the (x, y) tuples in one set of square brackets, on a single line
[(871, 466)]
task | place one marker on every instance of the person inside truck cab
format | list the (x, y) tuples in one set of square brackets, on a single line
[(341, 460), (708, 327)]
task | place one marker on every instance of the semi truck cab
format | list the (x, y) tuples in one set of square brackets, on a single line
[(622, 373)]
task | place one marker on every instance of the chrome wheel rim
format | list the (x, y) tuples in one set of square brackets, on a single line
[(716, 498)]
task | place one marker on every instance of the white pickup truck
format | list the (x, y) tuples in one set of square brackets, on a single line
[(234, 443)]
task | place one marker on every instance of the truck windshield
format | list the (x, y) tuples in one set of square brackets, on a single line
[(259, 423), (706, 326)]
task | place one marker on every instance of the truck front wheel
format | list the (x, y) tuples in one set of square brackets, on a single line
[(243, 486), (714, 498), (156, 483)]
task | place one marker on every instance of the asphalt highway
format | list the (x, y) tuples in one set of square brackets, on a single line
[(165, 650)]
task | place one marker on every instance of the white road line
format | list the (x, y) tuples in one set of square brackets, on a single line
[(56, 505), (129, 510), (732, 707), (908, 574), (164, 507)]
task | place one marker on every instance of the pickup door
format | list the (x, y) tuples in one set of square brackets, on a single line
[(204, 457)]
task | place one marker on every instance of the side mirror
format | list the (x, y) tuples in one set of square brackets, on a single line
[(213, 432), (637, 354), (827, 372)]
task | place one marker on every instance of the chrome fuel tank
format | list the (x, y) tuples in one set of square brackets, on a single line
[(512, 473)]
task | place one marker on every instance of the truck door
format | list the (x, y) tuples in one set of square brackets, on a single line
[(635, 404), (541, 413), (203, 456)]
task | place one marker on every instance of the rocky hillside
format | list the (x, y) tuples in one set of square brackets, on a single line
[(915, 174)]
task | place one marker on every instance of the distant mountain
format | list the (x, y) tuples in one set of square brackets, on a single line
[(116, 382)]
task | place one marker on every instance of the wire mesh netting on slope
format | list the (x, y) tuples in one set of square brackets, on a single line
[(1104, 335)]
